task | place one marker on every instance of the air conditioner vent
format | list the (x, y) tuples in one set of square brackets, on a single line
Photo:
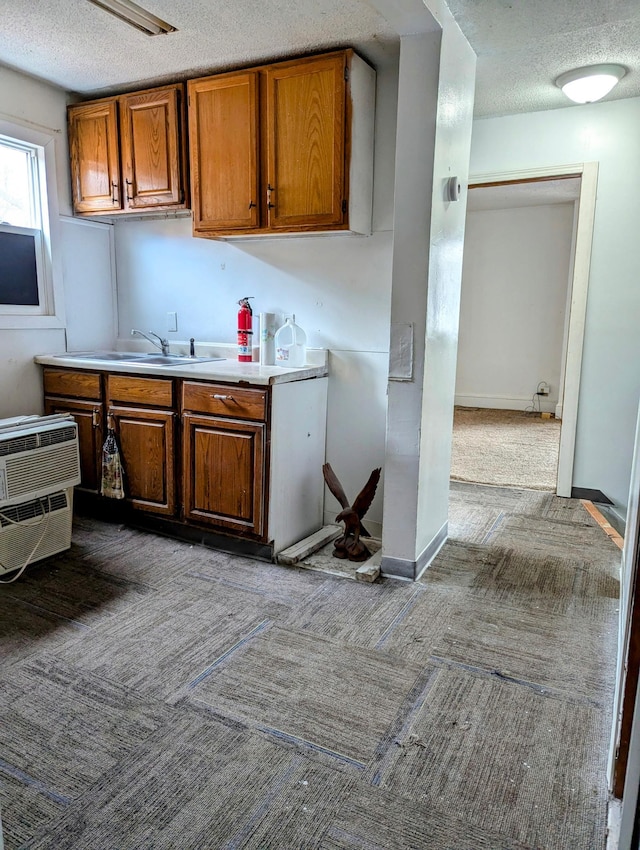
[(28, 442), (44, 468), (60, 435), (17, 445), (13, 514)]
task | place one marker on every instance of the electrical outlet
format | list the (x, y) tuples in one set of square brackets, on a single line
[(172, 321), (543, 388)]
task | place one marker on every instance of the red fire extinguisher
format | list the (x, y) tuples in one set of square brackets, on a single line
[(245, 334)]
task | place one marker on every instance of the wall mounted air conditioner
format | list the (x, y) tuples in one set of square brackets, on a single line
[(39, 466)]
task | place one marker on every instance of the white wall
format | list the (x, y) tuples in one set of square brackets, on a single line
[(34, 105), (83, 258), (88, 263), (42, 107), (610, 384), (337, 286), (514, 291)]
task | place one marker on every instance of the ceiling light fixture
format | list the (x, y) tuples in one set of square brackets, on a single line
[(586, 85), (135, 16)]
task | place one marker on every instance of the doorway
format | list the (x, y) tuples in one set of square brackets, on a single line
[(525, 275)]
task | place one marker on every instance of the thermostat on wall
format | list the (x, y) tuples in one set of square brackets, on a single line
[(453, 189)]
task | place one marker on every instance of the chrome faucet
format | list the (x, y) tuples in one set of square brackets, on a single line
[(163, 344)]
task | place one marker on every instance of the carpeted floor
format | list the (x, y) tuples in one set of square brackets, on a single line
[(507, 448), (155, 695)]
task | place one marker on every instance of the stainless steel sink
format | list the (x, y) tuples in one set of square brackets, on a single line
[(127, 356), (138, 357), (173, 360)]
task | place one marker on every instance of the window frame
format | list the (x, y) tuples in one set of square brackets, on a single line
[(49, 313)]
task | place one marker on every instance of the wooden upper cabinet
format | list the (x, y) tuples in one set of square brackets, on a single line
[(152, 156), (95, 166), (223, 130), (306, 142), (128, 153), (294, 138)]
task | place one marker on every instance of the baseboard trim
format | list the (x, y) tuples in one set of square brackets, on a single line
[(590, 495), (406, 569), (506, 402), (112, 510)]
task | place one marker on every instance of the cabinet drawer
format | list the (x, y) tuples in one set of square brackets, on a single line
[(75, 384), (157, 392), (239, 402)]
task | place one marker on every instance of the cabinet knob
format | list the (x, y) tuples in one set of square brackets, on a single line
[(223, 397), (251, 205)]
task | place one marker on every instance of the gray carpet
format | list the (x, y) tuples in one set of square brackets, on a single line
[(156, 695)]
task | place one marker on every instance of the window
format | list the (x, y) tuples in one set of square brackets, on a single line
[(26, 268)]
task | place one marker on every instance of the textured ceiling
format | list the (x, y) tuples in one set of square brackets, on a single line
[(82, 48), (522, 45)]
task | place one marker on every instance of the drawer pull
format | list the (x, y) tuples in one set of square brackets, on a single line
[(223, 397)]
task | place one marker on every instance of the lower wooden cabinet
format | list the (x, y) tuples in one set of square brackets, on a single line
[(202, 460), (146, 439), (89, 416), (141, 412), (80, 394), (224, 472)]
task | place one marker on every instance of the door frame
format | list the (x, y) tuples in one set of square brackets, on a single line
[(577, 300), (628, 663)]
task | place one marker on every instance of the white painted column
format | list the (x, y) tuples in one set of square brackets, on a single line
[(415, 148), (435, 101)]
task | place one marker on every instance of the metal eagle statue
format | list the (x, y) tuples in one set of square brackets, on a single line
[(349, 545)]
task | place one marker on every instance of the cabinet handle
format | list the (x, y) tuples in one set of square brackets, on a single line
[(114, 190), (270, 189), (223, 397), (95, 418), (128, 183)]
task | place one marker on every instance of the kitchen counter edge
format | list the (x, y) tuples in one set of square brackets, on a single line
[(224, 371)]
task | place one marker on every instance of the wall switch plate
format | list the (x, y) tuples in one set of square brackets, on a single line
[(172, 321)]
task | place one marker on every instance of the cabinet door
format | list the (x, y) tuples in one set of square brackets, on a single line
[(223, 122), (88, 415), (223, 481), (151, 128), (306, 105), (146, 442), (95, 156)]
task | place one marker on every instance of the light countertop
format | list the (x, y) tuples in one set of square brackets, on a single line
[(228, 370)]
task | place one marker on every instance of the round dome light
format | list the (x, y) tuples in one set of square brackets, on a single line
[(586, 85)]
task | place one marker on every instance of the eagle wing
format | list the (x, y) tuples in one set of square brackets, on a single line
[(334, 485), (365, 496)]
